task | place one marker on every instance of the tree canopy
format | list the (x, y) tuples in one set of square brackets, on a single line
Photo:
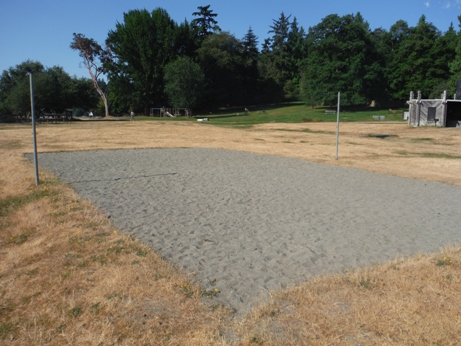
[(152, 61), (206, 23), (55, 90), (184, 83), (141, 46)]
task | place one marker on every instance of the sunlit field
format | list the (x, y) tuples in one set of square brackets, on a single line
[(69, 276)]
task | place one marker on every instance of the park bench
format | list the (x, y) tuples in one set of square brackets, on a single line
[(379, 117), (330, 112)]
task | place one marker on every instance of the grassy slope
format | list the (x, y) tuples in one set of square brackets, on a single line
[(294, 112)]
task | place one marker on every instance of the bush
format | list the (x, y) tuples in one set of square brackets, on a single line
[(78, 112)]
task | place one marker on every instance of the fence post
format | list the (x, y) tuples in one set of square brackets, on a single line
[(34, 135)]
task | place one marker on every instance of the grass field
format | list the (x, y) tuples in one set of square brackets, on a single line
[(68, 276), (294, 112)]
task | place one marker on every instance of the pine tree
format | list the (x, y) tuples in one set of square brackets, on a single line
[(455, 65), (206, 23), (250, 56)]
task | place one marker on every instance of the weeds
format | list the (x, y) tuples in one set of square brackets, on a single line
[(10, 204), (75, 312), (444, 262), (142, 252), (7, 331), (19, 239)]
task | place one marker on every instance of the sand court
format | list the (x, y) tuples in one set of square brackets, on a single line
[(247, 224)]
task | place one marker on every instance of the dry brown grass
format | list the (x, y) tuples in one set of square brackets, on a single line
[(68, 277)]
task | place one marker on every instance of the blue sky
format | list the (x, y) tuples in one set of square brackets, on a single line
[(41, 30)]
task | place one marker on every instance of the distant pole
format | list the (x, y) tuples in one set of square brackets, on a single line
[(337, 124), (32, 108)]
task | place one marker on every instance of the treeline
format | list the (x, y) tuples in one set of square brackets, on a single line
[(156, 61), (54, 90), (152, 61)]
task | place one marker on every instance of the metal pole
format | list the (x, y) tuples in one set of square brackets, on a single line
[(337, 124), (32, 108)]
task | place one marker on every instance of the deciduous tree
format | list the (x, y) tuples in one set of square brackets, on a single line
[(220, 58), (339, 59), (184, 82), (95, 59), (54, 89), (141, 46)]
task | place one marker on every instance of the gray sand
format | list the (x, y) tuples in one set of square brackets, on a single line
[(249, 224)]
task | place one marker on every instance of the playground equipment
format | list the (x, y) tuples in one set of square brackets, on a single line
[(170, 112)]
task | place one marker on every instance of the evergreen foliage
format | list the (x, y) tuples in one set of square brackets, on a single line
[(455, 64), (152, 61), (251, 73), (206, 23)]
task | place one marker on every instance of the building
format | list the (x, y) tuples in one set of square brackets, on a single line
[(441, 112)]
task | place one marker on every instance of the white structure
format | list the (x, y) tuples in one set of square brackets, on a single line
[(434, 112)]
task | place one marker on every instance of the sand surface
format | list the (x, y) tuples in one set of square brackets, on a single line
[(248, 224)]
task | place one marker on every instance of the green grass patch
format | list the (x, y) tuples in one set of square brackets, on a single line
[(429, 155), (142, 252), (95, 308), (306, 130), (418, 140), (444, 262), (297, 112), (19, 239), (75, 312), (440, 156), (289, 112), (9, 204), (7, 330), (32, 272)]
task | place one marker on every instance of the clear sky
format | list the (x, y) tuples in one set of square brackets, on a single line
[(41, 30)]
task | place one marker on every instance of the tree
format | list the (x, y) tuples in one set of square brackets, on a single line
[(412, 60), (340, 58), (91, 51), (277, 59), (297, 51), (395, 65), (184, 81), (455, 64), (141, 46), (282, 55), (186, 40), (442, 53), (379, 69), (206, 23), (54, 89), (250, 61), (12, 77), (221, 59)]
